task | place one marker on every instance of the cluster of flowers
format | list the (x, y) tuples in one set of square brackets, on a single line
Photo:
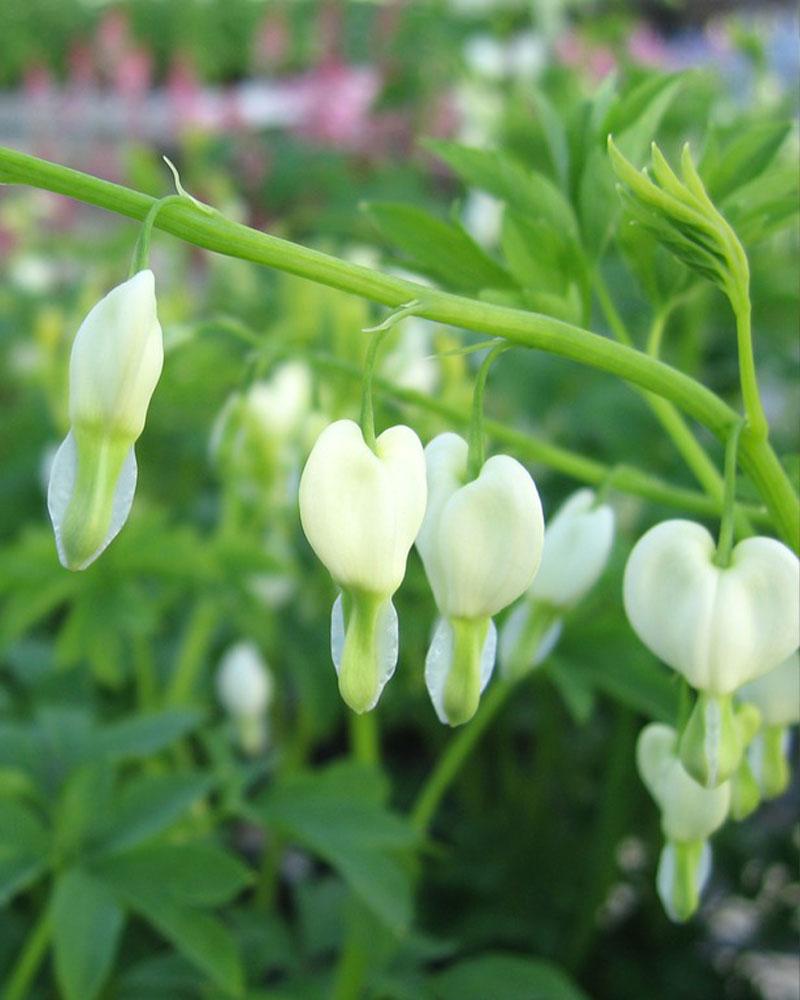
[(732, 630)]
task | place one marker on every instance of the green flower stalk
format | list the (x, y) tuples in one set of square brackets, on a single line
[(777, 697)]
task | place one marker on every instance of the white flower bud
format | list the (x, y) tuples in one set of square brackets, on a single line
[(244, 682), (115, 364), (719, 627), (480, 543), (688, 811), (577, 544), (361, 511), (281, 403), (776, 694)]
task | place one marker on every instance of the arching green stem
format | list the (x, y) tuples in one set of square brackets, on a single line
[(477, 444), (722, 557)]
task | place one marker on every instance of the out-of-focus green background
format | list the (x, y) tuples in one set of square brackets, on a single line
[(300, 118)]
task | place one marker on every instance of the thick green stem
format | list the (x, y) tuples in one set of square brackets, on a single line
[(529, 329), (30, 958)]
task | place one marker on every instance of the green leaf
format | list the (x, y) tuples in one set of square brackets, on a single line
[(555, 136), (146, 734), (529, 193), (339, 814), (23, 848), (148, 805), (198, 936), (87, 923), (743, 159), (441, 249), (81, 807), (192, 874), (503, 976)]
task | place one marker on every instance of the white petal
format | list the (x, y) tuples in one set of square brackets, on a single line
[(361, 511), (388, 643), (440, 659), (59, 494), (718, 627)]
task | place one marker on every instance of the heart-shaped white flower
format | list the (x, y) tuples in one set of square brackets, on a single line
[(719, 627)]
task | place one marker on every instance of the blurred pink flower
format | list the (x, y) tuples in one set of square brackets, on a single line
[(133, 73), (648, 48), (272, 43), (336, 99), (37, 81), (80, 60)]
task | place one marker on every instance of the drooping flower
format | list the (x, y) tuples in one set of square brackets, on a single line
[(718, 626), (116, 361), (577, 544), (480, 543), (777, 697), (361, 511), (690, 814)]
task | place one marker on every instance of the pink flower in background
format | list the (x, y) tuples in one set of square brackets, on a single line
[(597, 61), (648, 48), (272, 43), (133, 73), (80, 61), (335, 100), (112, 37), (38, 81), (184, 91)]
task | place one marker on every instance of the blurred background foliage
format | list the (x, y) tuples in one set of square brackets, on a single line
[(129, 814)]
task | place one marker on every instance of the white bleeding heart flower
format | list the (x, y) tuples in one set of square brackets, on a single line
[(480, 543), (116, 361), (361, 511), (690, 814), (777, 697), (718, 626), (577, 544)]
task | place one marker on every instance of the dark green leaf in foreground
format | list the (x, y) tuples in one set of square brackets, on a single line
[(339, 814), (87, 923), (23, 847), (504, 977)]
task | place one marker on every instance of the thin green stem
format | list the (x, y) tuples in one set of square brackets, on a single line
[(725, 544), (751, 397), (458, 750), (517, 326), (141, 251), (687, 445), (364, 738), (477, 444), (191, 656), (570, 463), (367, 412), (30, 958)]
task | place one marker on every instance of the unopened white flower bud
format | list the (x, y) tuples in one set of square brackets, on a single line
[(480, 542), (115, 364), (577, 544), (361, 511), (244, 682), (777, 697)]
